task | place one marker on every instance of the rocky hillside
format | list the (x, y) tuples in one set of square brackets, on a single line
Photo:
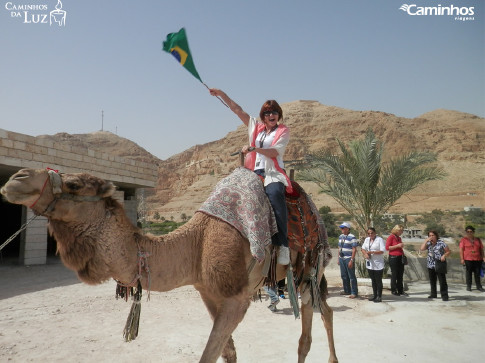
[(187, 178)]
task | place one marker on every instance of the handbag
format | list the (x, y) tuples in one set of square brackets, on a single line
[(404, 260), (440, 266)]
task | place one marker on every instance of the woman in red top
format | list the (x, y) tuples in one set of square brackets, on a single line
[(471, 255), (394, 245)]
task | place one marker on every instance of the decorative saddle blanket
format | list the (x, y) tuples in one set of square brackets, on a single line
[(305, 225), (240, 200)]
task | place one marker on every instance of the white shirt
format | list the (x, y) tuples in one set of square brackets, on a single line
[(376, 262), (271, 174), (264, 141)]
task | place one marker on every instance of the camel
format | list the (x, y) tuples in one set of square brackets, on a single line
[(96, 240)]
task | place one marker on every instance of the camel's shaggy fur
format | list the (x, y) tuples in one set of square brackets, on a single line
[(96, 239)]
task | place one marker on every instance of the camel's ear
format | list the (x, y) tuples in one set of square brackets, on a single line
[(106, 189)]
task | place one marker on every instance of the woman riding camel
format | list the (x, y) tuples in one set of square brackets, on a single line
[(264, 154)]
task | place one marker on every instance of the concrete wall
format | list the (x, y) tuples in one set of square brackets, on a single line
[(19, 151), (34, 246)]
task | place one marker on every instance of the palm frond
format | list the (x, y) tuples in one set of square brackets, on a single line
[(359, 181)]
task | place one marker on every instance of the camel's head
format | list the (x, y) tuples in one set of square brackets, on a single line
[(74, 204), (38, 189)]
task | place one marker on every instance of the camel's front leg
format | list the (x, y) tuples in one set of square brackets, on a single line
[(327, 317), (229, 314), (229, 351)]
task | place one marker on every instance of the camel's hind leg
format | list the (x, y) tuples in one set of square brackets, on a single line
[(305, 341), (327, 317), (226, 316)]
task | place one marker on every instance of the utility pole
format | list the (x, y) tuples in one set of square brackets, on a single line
[(102, 119)]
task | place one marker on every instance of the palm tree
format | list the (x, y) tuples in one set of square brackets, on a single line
[(361, 183)]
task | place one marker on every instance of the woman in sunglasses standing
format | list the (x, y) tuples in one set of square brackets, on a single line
[(268, 139), (471, 255)]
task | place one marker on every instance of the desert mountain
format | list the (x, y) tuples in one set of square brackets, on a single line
[(186, 179)]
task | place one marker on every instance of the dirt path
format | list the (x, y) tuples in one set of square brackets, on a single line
[(46, 315)]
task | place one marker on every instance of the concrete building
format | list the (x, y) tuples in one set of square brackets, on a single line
[(18, 151)]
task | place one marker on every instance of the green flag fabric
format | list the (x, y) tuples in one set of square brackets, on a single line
[(177, 45)]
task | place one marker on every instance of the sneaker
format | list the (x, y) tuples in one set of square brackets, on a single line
[(372, 298), (444, 298), (432, 296), (283, 255), (272, 306), (344, 293), (468, 289), (378, 299), (481, 289)]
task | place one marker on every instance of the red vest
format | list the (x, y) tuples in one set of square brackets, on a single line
[(250, 160)]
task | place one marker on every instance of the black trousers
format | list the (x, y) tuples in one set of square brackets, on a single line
[(376, 278), (397, 273), (433, 276), (473, 267)]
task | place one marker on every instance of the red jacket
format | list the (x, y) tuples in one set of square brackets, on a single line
[(250, 160)]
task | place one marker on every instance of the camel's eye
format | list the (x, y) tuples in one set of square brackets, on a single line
[(73, 185)]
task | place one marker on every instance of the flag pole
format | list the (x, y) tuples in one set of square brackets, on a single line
[(220, 99)]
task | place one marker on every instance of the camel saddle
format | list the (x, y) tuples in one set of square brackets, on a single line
[(240, 200), (303, 224)]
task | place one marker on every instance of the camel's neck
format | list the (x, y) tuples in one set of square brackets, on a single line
[(173, 259), (104, 244)]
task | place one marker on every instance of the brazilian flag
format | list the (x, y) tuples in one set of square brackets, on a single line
[(177, 45)]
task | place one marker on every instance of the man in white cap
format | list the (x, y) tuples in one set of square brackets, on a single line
[(347, 248)]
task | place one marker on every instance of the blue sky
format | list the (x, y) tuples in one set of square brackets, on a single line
[(359, 55)]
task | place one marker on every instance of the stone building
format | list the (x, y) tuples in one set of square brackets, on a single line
[(18, 151)]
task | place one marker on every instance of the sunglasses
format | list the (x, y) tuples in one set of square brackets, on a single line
[(269, 113), (469, 231)]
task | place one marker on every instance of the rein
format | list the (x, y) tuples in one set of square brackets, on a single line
[(134, 290), (142, 265)]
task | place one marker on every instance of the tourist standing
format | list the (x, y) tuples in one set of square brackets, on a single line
[(471, 255), (437, 251), (373, 250), (347, 248), (394, 245)]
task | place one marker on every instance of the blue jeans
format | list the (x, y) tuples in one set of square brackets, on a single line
[(348, 276), (276, 196), (272, 294)]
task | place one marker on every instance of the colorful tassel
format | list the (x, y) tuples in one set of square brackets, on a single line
[(133, 321)]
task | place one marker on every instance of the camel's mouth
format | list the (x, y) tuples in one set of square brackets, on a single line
[(12, 195)]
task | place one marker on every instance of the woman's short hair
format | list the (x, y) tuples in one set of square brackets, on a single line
[(271, 105), (397, 228), (470, 228), (434, 232), (371, 229)]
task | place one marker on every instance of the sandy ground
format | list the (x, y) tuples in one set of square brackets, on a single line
[(47, 315)]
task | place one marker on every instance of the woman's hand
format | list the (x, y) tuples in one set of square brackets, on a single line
[(216, 92), (247, 149)]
